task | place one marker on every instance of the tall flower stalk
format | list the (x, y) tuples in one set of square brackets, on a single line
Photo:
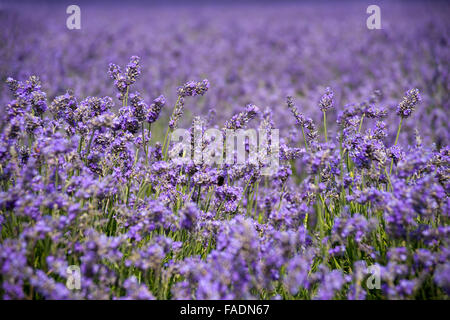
[(404, 110), (326, 103)]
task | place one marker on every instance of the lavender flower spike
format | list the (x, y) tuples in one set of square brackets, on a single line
[(409, 103), (327, 101)]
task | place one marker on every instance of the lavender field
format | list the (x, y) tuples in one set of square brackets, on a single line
[(97, 202)]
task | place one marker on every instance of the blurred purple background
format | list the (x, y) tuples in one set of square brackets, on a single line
[(250, 51)]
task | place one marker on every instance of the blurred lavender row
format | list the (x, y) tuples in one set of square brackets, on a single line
[(249, 52)]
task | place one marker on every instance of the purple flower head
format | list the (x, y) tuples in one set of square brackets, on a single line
[(38, 100), (114, 71), (409, 103), (192, 88), (326, 101), (396, 153), (63, 107), (240, 120), (177, 113), (133, 70), (188, 216), (140, 108), (155, 109), (123, 80), (299, 117), (127, 120)]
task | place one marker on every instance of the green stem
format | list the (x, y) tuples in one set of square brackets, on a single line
[(144, 143), (165, 147), (361, 122), (398, 131), (389, 180), (395, 143), (166, 142), (304, 139), (125, 99), (243, 194), (89, 144), (325, 125)]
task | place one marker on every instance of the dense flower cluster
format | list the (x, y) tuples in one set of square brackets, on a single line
[(87, 182)]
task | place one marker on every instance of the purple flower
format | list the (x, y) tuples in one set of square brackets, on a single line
[(240, 120), (188, 216), (133, 70), (192, 88), (155, 109), (409, 103), (327, 100)]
